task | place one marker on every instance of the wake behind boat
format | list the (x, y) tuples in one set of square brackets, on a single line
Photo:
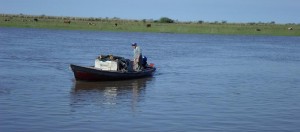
[(111, 68)]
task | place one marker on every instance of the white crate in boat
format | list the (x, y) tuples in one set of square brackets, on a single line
[(106, 65)]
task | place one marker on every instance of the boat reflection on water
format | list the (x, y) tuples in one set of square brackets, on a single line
[(109, 92)]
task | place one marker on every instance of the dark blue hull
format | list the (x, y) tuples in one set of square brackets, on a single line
[(94, 74)]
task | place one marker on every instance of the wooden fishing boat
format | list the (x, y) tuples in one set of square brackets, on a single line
[(111, 68), (95, 74)]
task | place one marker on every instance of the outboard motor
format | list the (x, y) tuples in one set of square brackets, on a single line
[(144, 61)]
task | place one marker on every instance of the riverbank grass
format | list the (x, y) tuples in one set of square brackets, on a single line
[(115, 24)]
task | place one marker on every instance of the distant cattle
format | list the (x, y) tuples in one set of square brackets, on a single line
[(35, 19), (290, 28), (6, 20), (258, 29), (90, 23), (67, 21), (116, 24), (148, 25)]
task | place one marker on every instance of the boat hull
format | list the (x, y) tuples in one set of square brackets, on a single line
[(95, 74)]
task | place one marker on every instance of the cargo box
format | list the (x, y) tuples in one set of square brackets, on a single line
[(106, 65)]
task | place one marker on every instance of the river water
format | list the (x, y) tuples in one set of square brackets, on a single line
[(203, 82)]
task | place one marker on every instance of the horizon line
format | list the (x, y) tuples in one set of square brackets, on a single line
[(151, 19)]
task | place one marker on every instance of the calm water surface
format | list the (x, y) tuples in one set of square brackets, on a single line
[(203, 83)]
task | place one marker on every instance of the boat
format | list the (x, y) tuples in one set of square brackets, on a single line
[(111, 68)]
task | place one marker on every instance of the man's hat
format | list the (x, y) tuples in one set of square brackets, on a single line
[(134, 44)]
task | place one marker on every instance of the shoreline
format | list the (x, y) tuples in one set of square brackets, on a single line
[(121, 25)]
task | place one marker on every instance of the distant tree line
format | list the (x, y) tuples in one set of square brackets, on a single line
[(166, 20), (161, 20)]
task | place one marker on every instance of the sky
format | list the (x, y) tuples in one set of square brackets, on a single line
[(236, 11)]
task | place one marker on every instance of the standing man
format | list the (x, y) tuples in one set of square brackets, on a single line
[(137, 57)]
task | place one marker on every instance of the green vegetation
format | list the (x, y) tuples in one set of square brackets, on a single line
[(164, 25), (166, 20)]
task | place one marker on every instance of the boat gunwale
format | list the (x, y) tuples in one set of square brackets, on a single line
[(150, 69)]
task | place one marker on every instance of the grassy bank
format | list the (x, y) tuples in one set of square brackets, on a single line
[(115, 24)]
